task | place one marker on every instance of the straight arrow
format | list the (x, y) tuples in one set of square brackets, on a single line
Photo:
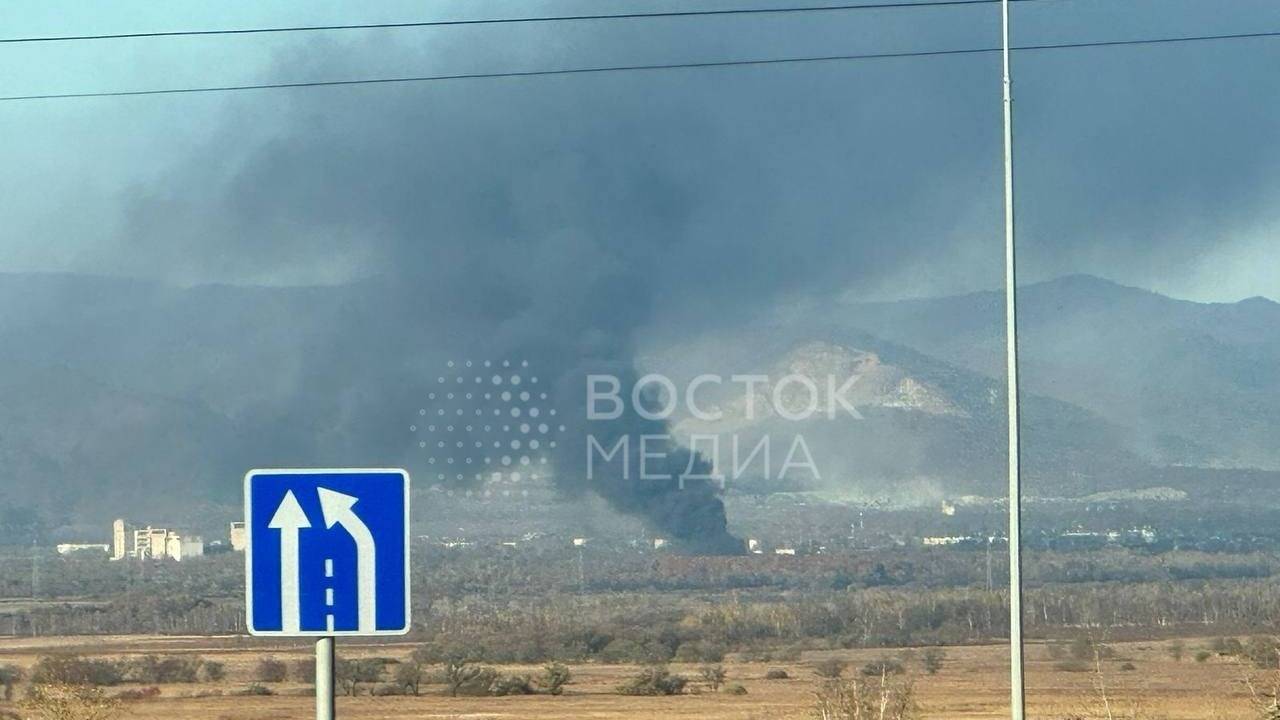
[(337, 509), (289, 520)]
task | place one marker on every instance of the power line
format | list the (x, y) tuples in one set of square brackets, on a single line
[(511, 21), (636, 68)]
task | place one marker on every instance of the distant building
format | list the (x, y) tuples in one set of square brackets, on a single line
[(179, 548), (579, 542), (69, 548), (938, 540), (239, 538), (119, 536), (152, 543), (659, 543), (753, 546), (784, 551)]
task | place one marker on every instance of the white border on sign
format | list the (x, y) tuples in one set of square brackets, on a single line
[(248, 553)]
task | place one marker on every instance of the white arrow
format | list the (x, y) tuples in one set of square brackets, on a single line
[(289, 520), (337, 511)]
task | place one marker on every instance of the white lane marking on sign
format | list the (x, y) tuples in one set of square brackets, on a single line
[(337, 510), (290, 520)]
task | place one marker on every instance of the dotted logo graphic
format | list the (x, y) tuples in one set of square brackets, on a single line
[(486, 421)]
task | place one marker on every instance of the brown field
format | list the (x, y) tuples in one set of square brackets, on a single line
[(972, 684)]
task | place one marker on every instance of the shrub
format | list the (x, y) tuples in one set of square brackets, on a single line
[(553, 679), (776, 674), (1085, 648), (1176, 650), (1072, 666), (162, 669), (830, 668), (882, 667), (349, 674), (1203, 655), (470, 680), (1228, 646), (654, 681), (271, 670), (735, 689), (76, 670), (713, 675), (504, 685), (1128, 667), (212, 671), (10, 675), (409, 677), (304, 671), (254, 689), (1081, 648), (933, 659)]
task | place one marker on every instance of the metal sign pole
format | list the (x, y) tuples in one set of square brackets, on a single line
[(324, 679), (1017, 699)]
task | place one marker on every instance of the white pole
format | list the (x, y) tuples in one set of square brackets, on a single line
[(324, 679), (1017, 700)]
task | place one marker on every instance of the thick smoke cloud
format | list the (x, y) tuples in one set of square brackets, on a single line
[(550, 222), (561, 219)]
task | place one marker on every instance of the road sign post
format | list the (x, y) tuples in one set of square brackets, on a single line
[(327, 555), (324, 679)]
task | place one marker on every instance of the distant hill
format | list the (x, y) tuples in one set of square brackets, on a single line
[(149, 400), (1191, 383), (928, 430)]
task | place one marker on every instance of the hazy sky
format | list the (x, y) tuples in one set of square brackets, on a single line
[(1156, 166)]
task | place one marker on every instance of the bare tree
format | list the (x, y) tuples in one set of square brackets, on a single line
[(1264, 686), (713, 676), (1102, 703), (860, 698)]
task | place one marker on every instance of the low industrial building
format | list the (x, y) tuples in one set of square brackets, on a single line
[(152, 543)]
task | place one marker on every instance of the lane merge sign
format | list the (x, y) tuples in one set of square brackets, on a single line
[(327, 552)]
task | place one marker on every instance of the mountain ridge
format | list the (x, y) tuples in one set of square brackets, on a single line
[(119, 386)]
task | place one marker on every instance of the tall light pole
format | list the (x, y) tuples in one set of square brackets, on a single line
[(1017, 700)]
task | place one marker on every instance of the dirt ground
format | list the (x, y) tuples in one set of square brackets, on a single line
[(973, 683)]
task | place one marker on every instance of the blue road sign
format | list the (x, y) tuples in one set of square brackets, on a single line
[(327, 553)]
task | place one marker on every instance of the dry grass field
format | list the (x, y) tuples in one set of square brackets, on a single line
[(972, 684)]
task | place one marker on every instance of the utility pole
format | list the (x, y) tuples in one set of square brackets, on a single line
[(990, 582), (35, 570), (582, 572), (1017, 695)]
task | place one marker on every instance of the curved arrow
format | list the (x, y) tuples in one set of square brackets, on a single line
[(337, 509), (289, 520)]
